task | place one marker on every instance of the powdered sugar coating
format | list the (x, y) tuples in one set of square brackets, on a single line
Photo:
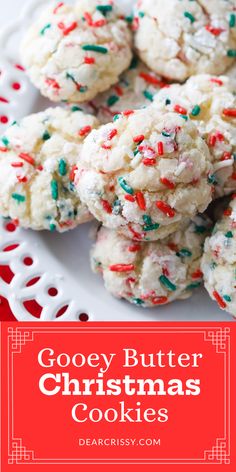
[(151, 274), (38, 158), (74, 52), (145, 173), (219, 261), (210, 102), (177, 39)]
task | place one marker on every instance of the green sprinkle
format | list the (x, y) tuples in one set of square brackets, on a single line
[(116, 117), (229, 234), (95, 48), (46, 136), (151, 227), (136, 151), (141, 14), (232, 20), (212, 179), (104, 9), (54, 189), (185, 117), (80, 88), (134, 63), (52, 227), (147, 220), (45, 29), (231, 53), (168, 101), (148, 95), (129, 18), (167, 283), (167, 135), (112, 100), (193, 285), (213, 265), (196, 110), (227, 298), (5, 140), (76, 108), (184, 253), (125, 186), (138, 301), (200, 229), (19, 198), (189, 16), (62, 167)]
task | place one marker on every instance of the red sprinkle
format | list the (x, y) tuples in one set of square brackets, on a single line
[(166, 209), (112, 134), (27, 158), (181, 110), (140, 200), (225, 156), (99, 23), (150, 79), (212, 140), (4, 119), (106, 206), (57, 7), (3, 149), (135, 24), (89, 60), (85, 130), (214, 31), (72, 173), (119, 90), (149, 162), (233, 176), (128, 112), (122, 267), (130, 198), (160, 148), (88, 18), (16, 86), (134, 248), (136, 235), (227, 212), (217, 81), (159, 300), (167, 183), (106, 147), (53, 83), (19, 67), (197, 274), (70, 28), (4, 100), (22, 179), (139, 138), (219, 300), (17, 164), (230, 112)]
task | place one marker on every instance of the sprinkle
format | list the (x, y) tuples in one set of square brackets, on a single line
[(134, 63), (129, 19), (19, 198), (128, 112), (139, 138), (72, 173), (227, 298), (62, 167), (159, 300), (168, 101), (147, 220), (149, 78), (79, 87), (149, 162), (46, 136), (52, 227), (219, 300), (129, 198), (54, 189), (3, 149), (69, 29), (57, 8), (166, 209), (27, 158), (167, 135), (138, 301), (231, 53), (140, 201), (104, 9), (46, 27), (116, 117), (17, 164), (119, 90), (89, 60), (112, 100), (181, 110), (106, 206), (76, 108), (226, 156), (189, 16), (151, 227), (95, 48), (52, 83), (122, 268), (167, 283), (229, 234), (227, 212), (196, 110), (135, 234), (232, 20), (167, 183), (197, 274), (22, 179), (134, 248), (85, 130), (148, 95), (230, 111), (125, 186), (193, 285), (184, 253), (212, 179), (216, 81), (160, 148), (5, 140), (112, 134), (214, 31)]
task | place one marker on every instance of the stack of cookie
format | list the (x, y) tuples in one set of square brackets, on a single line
[(142, 143)]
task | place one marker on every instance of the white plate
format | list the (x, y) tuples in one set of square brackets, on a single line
[(62, 261)]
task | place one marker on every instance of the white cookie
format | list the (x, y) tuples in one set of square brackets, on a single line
[(219, 261), (145, 173), (38, 158), (177, 39), (151, 274), (136, 89), (74, 52), (211, 103)]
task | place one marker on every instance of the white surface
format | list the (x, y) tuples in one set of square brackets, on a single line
[(63, 260)]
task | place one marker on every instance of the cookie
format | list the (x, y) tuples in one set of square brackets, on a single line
[(177, 39), (145, 173), (38, 158), (154, 273), (136, 89), (74, 52), (211, 103), (219, 261)]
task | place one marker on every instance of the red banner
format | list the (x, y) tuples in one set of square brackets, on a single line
[(118, 394)]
